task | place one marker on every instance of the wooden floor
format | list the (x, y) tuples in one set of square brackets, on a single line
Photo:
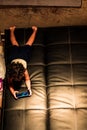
[(75, 3)]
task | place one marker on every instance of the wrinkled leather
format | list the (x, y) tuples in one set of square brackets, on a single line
[(58, 72)]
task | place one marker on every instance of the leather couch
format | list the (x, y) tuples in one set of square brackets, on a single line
[(58, 72)]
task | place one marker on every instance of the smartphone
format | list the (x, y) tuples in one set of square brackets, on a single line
[(23, 94)]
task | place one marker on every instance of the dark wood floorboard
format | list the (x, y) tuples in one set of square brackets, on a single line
[(75, 3)]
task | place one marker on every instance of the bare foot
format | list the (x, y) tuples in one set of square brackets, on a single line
[(12, 28), (34, 28)]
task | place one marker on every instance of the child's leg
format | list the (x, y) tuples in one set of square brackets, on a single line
[(12, 36), (32, 37)]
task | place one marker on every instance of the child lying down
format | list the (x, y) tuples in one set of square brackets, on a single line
[(18, 57)]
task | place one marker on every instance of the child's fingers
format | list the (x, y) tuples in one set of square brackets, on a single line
[(15, 94)]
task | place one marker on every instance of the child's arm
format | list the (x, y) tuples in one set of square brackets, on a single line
[(27, 81), (13, 92)]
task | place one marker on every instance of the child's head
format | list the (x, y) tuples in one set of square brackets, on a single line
[(15, 71)]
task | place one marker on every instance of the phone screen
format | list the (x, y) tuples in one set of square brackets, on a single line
[(23, 94)]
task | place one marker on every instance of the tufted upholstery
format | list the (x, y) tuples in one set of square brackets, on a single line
[(58, 72)]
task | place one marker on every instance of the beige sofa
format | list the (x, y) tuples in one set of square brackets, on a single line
[(58, 72)]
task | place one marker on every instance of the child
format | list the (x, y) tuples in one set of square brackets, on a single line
[(18, 57)]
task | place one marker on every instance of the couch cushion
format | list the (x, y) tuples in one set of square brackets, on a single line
[(28, 113), (66, 67)]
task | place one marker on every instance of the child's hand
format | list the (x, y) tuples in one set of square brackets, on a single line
[(30, 91), (14, 94)]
